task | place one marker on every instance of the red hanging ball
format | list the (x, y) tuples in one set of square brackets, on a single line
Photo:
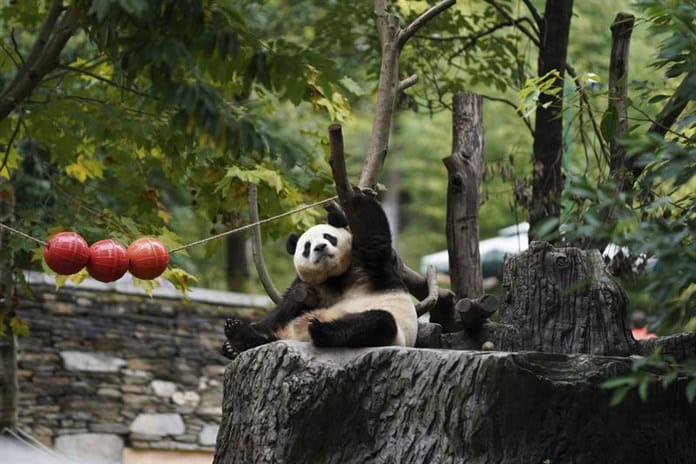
[(108, 260), (148, 258), (66, 253)]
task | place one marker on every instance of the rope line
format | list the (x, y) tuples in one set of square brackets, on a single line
[(205, 240), (249, 226), (22, 234)]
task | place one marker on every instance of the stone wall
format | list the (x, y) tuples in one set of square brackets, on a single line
[(108, 365)]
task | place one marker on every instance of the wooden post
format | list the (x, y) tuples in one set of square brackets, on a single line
[(621, 31), (465, 169)]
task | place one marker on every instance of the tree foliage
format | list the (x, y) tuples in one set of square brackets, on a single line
[(144, 99)]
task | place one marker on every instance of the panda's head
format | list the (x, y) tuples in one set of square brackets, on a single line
[(321, 252)]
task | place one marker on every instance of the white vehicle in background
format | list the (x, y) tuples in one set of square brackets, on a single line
[(511, 240)]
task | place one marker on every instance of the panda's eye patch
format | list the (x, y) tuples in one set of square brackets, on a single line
[(331, 239), (305, 252)]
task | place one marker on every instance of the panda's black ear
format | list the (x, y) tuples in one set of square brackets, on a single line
[(337, 219), (291, 243)]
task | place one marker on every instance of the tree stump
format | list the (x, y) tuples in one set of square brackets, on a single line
[(558, 300), (288, 402)]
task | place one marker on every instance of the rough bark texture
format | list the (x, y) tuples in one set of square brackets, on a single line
[(465, 170), (60, 25), (547, 181), (621, 31), (288, 403), (558, 300)]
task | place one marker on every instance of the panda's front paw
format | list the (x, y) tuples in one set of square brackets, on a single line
[(319, 333), (233, 327)]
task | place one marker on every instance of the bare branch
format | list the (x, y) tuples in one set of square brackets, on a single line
[(422, 20), (535, 13), (256, 249), (408, 82), (11, 56), (8, 148), (101, 78), (517, 110), (16, 47), (429, 301), (43, 57), (534, 37), (595, 127), (338, 166)]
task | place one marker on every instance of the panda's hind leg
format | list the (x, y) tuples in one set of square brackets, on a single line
[(375, 327)]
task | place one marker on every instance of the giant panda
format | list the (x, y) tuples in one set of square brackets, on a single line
[(347, 292)]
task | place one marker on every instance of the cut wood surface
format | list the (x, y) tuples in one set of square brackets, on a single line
[(288, 402)]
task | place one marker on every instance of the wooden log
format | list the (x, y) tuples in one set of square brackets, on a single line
[(465, 170)]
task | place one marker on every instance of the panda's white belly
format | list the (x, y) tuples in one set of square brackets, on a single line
[(398, 303)]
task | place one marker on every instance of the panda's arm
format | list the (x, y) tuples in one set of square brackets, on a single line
[(298, 298), (370, 230)]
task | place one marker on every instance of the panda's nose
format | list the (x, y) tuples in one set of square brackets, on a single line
[(321, 247)]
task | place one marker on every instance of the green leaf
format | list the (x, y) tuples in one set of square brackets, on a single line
[(667, 379), (691, 390), (643, 390), (618, 382), (101, 8), (610, 120), (19, 327), (619, 395), (547, 228), (352, 86)]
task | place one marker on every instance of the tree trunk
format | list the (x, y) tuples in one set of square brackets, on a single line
[(465, 170), (621, 31), (8, 342), (288, 402), (547, 180), (237, 263), (558, 300)]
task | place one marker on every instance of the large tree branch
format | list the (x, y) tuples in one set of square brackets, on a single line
[(256, 247), (338, 167), (392, 39), (43, 58), (674, 107), (422, 20), (408, 82)]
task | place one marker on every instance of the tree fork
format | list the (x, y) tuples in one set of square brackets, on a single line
[(392, 40)]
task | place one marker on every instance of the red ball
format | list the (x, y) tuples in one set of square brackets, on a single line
[(108, 260), (148, 258), (66, 253)]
